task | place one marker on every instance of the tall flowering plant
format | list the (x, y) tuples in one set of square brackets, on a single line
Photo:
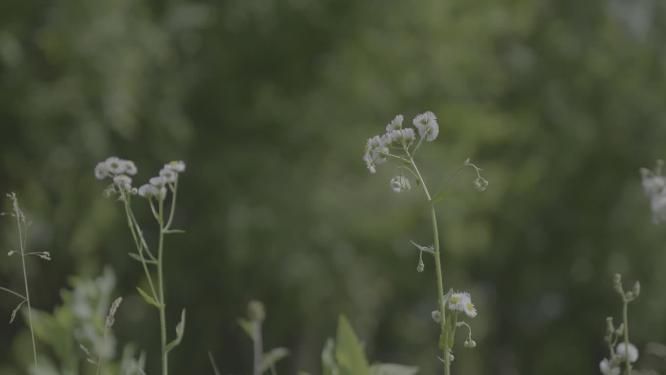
[(399, 144), (160, 193)]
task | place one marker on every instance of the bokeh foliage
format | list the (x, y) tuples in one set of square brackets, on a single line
[(270, 102)]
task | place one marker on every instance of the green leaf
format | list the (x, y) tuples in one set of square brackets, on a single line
[(174, 231), (328, 358), (180, 332), (247, 326), (349, 351), (392, 369), (272, 357), (149, 300)]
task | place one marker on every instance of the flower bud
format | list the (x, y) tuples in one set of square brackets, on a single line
[(637, 288), (256, 311), (436, 316), (617, 283), (469, 343)]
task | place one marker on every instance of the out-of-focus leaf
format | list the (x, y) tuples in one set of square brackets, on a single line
[(392, 369), (272, 357), (349, 351)]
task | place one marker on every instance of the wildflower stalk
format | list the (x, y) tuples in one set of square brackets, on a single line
[(22, 233), (625, 322), (443, 340), (155, 192)]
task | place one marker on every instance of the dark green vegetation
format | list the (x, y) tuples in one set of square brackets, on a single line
[(270, 103)]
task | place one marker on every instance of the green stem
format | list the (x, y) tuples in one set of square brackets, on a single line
[(258, 347), (444, 342), (625, 320), (25, 281), (101, 359), (160, 282)]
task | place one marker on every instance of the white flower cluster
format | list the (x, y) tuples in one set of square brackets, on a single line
[(654, 185), (377, 148), (460, 301), (157, 186), (119, 172), (622, 354)]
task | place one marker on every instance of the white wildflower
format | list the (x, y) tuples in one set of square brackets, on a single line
[(461, 301), (631, 354), (652, 183), (400, 184), (395, 124), (177, 166), (157, 181), (426, 124), (101, 171), (408, 135), (376, 153), (115, 165), (148, 191), (608, 368), (130, 167), (123, 182), (169, 175)]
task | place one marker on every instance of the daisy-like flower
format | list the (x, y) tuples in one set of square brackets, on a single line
[(123, 182), (631, 354), (461, 301), (130, 167), (426, 124), (148, 191), (400, 184), (608, 368), (395, 124), (115, 165), (177, 166), (408, 135), (169, 175), (101, 171), (157, 181), (653, 183)]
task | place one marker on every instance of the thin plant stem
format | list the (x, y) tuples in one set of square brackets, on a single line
[(258, 347), (101, 359), (13, 292), (625, 321), (140, 244), (444, 342), (25, 279), (160, 282)]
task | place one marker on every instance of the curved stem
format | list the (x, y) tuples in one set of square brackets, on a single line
[(19, 295)]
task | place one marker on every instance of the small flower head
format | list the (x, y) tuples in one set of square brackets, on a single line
[(426, 124), (123, 182), (608, 367), (169, 175), (114, 166), (177, 166), (395, 124), (462, 302), (400, 184), (631, 354), (376, 152), (157, 181), (480, 183), (149, 191)]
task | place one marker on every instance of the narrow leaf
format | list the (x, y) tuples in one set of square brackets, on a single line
[(174, 231), (149, 300), (15, 311), (272, 357), (180, 332), (247, 326)]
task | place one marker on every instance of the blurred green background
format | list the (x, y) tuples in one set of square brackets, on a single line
[(270, 103)]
